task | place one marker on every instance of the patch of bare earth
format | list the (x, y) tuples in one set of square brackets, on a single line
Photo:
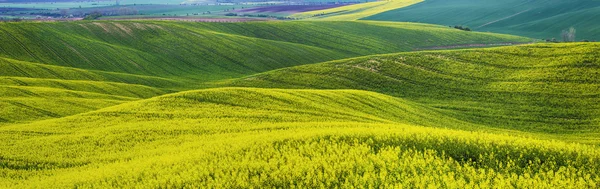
[(139, 26), (84, 26), (124, 28), (371, 65), (103, 26)]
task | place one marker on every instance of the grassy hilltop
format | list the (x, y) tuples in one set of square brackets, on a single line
[(100, 64), (542, 19)]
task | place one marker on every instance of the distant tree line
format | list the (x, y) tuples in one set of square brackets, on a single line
[(3, 19), (464, 28), (93, 16), (122, 11)]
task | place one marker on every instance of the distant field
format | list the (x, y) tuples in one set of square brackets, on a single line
[(204, 10), (288, 8), (219, 19), (355, 12), (185, 10), (75, 3), (285, 10), (59, 5), (129, 10), (542, 19)]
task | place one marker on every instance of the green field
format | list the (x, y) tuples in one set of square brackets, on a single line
[(279, 138), (538, 88), (542, 19), (209, 51), (355, 12), (133, 60), (294, 104)]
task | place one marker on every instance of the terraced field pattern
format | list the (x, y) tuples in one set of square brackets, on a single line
[(293, 104)]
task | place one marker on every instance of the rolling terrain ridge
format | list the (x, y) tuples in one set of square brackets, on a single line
[(549, 88)]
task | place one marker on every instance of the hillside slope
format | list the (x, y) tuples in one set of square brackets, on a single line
[(305, 138), (31, 91), (542, 19), (132, 60), (209, 51), (548, 88)]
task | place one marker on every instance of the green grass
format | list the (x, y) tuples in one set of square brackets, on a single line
[(158, 49), (134, 60), (546, 88), (303, 138), (23, 69), (211, 51), (31, 91), (542, 19), (356, 11), (23, 104)]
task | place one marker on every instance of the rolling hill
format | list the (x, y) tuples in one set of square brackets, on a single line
[(303, 138), (542, 19), (33, 91), (106, 63), (209, 51), (546, 88)]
